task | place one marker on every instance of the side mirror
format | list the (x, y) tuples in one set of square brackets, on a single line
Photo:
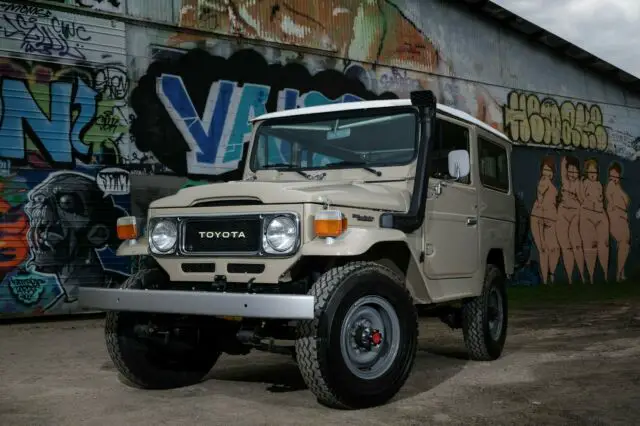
[(459, 163)]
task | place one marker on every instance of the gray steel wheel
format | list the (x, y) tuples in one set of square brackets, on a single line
[(359, 349), (370, 337), (485, 318)]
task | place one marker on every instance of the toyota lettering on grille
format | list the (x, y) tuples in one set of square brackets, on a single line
[(210, 235), (222, 235)]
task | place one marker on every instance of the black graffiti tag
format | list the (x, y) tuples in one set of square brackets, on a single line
[(114, 181), (91, 3), (55, 36), (112, 82), (27, 10), (108, 121)]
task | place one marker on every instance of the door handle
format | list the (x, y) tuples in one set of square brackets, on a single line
[(472, 221)]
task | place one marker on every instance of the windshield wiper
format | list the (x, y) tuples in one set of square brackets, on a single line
[(287, 167), (360, 164)]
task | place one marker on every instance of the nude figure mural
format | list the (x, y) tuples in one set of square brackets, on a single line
[(594, 222), (618, 213), (544, 216), (577, 220), (568, 225)]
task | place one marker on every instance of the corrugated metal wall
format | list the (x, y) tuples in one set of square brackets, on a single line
[(86, 134)]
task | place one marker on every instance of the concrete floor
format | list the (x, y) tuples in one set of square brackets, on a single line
[(578, 365)]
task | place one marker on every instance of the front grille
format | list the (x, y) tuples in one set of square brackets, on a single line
[(222, 235)]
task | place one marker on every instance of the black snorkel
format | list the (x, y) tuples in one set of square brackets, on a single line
[(426, 102)]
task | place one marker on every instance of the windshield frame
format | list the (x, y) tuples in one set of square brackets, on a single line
[(333, 115)]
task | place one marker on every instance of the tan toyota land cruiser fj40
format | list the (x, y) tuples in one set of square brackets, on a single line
[(350, 219)]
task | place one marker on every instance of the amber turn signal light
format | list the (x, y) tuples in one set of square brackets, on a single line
[(127, 228), (329, 223)]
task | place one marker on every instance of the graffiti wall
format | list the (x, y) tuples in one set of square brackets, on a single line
[(361, 30), (584, 222), (58, 233), (196, 123), (98, 118), (64, 140)]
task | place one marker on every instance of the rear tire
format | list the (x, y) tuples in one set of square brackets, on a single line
[(485, 318), (365, 318), (147, 364)]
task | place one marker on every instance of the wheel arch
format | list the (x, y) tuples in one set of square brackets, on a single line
[(502, 257), (394, 253), (495, 257)]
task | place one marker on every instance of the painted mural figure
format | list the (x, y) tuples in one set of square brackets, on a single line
[(568, 225), (618, 213), (70, 219), (594, 222), (544, 216)]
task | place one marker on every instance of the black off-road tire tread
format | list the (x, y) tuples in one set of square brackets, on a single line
[(138, 280), (306, 345), (473, 319)]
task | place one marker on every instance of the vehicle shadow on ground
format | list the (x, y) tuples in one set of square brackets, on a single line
[(433, 366)]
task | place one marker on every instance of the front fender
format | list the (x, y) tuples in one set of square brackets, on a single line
[(138, 247), (357, 241), (353, 242)]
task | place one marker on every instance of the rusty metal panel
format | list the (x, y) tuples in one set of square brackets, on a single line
[(363, 30), (295, 22)]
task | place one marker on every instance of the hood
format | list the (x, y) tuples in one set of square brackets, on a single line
[(356, 194)]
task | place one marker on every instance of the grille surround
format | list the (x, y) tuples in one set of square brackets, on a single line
[(264, 219)]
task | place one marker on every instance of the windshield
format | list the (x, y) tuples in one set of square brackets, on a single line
[(369, 139)]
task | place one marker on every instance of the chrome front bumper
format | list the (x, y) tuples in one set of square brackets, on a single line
[(198, 303)]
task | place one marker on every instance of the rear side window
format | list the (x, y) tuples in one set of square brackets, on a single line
[(494, 166)]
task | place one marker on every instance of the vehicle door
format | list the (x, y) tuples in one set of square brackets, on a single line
[(496, 206), (451, 231)]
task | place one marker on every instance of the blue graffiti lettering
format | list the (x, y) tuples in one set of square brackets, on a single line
[(58, 134), (253, 99), (315, 98), (215, 139), (202, 134)]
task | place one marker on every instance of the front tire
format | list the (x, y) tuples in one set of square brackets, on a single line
[(150, 363), (360, 348), (485, 318)]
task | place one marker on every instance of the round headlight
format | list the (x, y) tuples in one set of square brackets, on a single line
[(281, 234), (164, 235)]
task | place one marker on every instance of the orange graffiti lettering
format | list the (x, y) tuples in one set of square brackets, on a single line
[(13, 235)]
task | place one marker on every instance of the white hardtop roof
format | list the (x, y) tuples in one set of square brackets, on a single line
[(387, 103)]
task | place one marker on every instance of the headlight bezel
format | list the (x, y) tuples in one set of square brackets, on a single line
[(153, 223), (266, 248), (177, 249)]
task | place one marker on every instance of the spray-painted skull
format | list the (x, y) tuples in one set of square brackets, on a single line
[(69, 218)]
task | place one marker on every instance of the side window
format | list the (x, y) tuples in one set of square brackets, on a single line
[(494, 167), (449, 137)]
